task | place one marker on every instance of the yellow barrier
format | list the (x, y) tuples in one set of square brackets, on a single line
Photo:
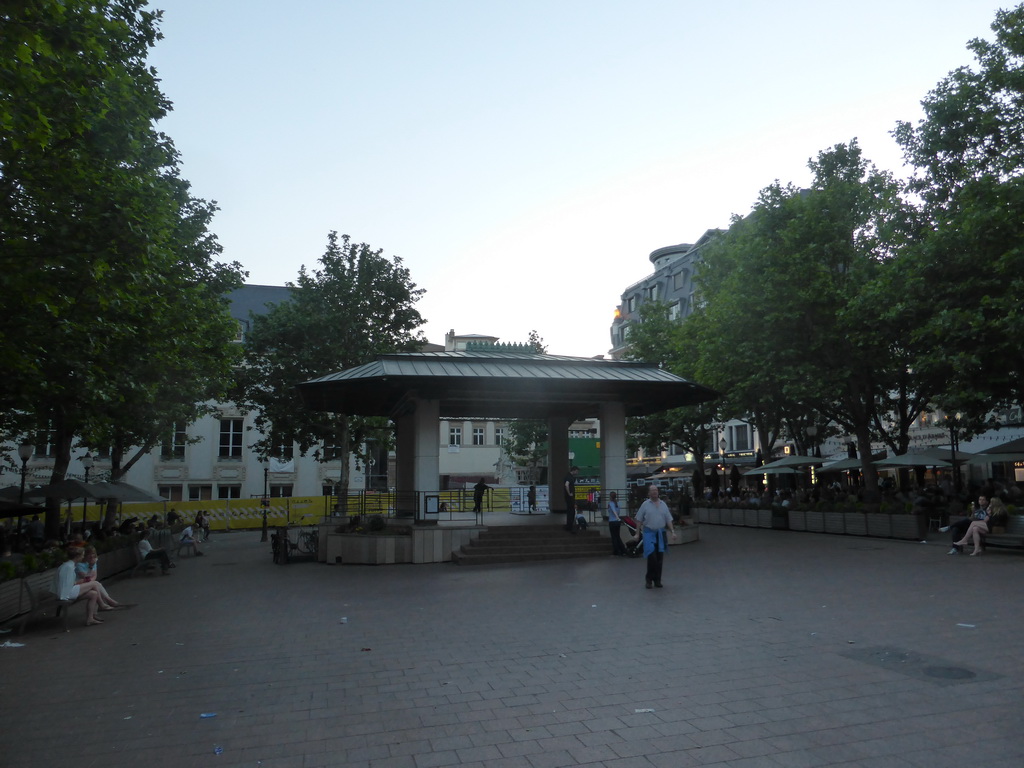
[(224, 514)]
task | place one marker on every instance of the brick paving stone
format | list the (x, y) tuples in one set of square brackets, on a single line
[(513, 666)]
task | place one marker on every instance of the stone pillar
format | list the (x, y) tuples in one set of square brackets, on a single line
[(427, 471), (613, 450), (558, 461), (416, 452)]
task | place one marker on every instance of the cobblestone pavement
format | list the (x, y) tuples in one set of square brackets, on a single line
[(765, 648)]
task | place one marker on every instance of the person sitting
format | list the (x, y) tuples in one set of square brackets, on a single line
[(979, 511), (67, 590), (996, 514), (147, 552), (581, 521), (188, 537), (86, 572)]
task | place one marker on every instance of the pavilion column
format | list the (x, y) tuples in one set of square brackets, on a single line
[(613, 448), (558, 461), (417, 451)]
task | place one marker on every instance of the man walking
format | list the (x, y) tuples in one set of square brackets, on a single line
[(652, 520)]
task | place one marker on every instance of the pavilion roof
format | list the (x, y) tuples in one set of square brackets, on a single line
[(501, 384)]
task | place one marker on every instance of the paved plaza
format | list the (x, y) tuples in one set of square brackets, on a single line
[(765, 648)]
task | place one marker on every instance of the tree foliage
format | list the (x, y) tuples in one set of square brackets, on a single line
[(357, 305), (671, 346), (115, 311), (965, 277)]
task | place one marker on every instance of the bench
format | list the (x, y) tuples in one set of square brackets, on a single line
[(39, 591), (186, 546), (1014, 536), (142, 564)]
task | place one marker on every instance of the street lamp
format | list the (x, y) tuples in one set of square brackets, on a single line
[(25, 451), (954, 444), (87, 462), (812, 432), (265, 501)]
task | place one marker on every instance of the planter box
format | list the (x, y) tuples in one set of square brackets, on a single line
[(715, 516), (116, 561), (797, 519), (879, 524), (906, 527), (764, 519), (815, 522), (856, 523), (359, 549), (701, 514), (737, 516), (750, 518), (834, 522)]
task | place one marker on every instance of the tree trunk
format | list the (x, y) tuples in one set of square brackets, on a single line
[(62, 459)]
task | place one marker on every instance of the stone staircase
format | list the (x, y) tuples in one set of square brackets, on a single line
[(523, 543)]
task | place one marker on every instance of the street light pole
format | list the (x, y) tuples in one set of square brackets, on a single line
[(87, 462), (265, 501), (25, 451)]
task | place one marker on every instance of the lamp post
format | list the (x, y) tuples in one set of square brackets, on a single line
[(265, 501), (812, 432), (87, 462), (721, 459), (25, 451)]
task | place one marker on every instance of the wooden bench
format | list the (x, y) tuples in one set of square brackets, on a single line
[(41, 598), (142, 564), (1014, 536)]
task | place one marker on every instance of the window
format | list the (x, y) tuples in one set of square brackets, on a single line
[(478, 435), (230, 441), (741, 437), (283, 449), (631, 304), (173, 448), (280, 491), (679, 280), (499, 435), (675, 311), (170, 492), (43, 442), (455, 436), (652, 292), (200, 492), (229, 491), (330, 452)]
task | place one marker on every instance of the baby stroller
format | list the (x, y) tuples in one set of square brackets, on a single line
[(633, 548)]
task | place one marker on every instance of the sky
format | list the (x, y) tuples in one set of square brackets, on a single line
[(524, 158)]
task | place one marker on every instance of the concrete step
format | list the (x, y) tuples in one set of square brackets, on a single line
[(530, 543)]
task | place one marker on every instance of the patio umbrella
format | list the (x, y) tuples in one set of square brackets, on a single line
[(792, 461), (12, 494), (911, 460), (70, 489), (121, 491), (1013, 446), (988, 458), (842, 465), (769, 469)]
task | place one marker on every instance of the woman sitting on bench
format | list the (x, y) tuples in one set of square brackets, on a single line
[(85, 572), (996, 514), (68, 591)]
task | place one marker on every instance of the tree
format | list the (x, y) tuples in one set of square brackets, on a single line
[(526, 441), (670, 345), (357, 305), (104, 254), (795, 283), (965, 277)]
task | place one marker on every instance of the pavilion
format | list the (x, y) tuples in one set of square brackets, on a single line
[(417, 389)]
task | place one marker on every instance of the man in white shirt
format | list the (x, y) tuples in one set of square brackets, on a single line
[(652, 520)]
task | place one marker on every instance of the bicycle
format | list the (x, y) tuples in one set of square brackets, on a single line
[(309, 542)]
